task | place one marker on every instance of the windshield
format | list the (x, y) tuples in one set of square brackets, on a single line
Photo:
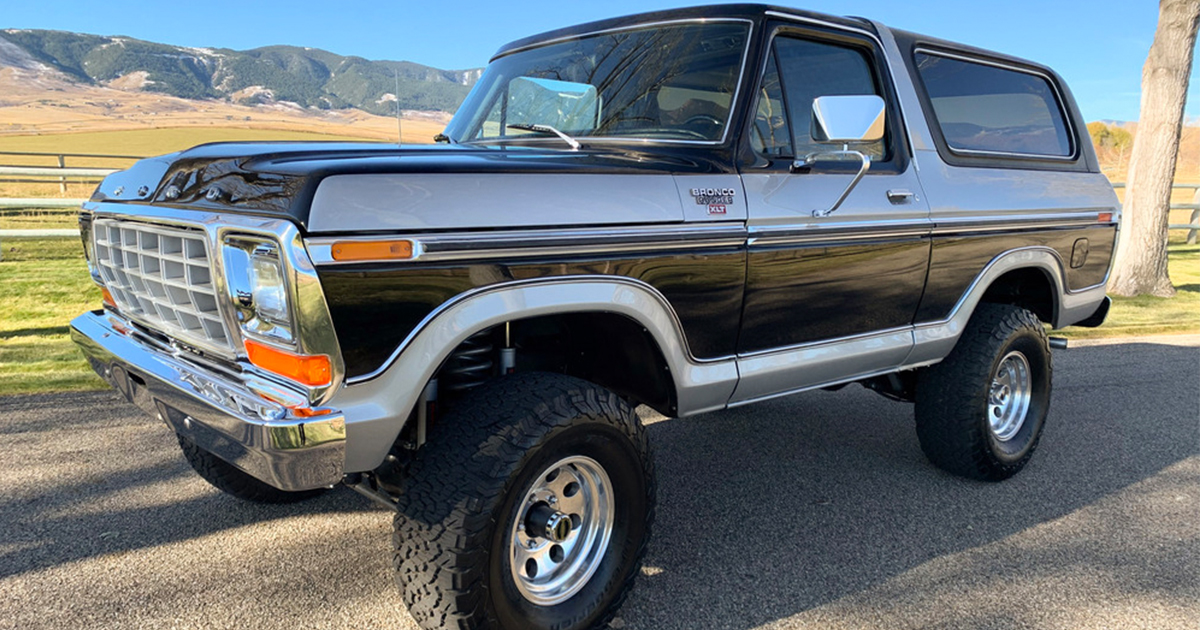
[(673, 82)]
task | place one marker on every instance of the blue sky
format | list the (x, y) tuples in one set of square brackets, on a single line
[(1099, 46)]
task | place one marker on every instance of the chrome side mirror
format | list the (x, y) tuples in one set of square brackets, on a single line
[(848, 120), (844, 120)]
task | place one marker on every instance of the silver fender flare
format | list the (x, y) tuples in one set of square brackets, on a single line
[(377, 405)]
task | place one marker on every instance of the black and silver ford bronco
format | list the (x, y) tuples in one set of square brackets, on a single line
[(690, 210)]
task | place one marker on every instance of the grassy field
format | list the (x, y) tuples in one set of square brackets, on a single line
[(143, 142), (136, 142), (43, 285)]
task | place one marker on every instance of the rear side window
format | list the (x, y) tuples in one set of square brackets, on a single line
[(988, 109)]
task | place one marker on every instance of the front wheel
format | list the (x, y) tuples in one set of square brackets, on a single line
[(980, 412), (530, 507)]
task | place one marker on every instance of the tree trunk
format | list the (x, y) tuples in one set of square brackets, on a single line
[(1141, 265)]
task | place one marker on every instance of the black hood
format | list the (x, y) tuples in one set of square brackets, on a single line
[(280, 178)]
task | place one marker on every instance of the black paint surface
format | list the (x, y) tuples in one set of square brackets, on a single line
[(374, 307)]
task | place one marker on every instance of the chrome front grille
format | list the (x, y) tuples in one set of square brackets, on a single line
[(161, 277)]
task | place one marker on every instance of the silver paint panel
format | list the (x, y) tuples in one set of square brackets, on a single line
[(694, 212), (768, 375), (425, 201), (959, 193)]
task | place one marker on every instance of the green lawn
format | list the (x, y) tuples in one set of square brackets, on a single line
[(44, 283), (36, 219), (1147, 315)]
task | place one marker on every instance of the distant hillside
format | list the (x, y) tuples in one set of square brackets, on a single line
[(309, 77)]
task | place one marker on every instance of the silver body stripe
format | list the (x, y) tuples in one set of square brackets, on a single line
[(529, 243), (469, 246)]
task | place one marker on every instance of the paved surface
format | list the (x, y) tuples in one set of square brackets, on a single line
[(816, 511)]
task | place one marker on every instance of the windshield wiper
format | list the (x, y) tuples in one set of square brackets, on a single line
[(548, 129)]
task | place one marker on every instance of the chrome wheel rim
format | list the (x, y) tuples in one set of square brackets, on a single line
[(563, 528), (1009, 396)]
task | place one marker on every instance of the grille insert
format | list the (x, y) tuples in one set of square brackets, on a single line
[(161, 277)]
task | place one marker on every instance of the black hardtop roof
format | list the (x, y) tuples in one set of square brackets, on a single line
[(755, 12)]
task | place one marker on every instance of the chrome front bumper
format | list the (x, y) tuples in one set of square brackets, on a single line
[(214, 410)]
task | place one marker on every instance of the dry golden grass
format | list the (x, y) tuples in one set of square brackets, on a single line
[(35, 104), (138, 142)]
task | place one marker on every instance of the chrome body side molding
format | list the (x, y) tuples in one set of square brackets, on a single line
[(509, 244)]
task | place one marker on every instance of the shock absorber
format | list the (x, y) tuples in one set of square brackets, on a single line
[(471, 364)]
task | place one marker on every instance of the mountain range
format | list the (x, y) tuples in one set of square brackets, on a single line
[(308, 77)]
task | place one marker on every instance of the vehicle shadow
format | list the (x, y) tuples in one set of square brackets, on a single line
[(102, 467), (817, 505)]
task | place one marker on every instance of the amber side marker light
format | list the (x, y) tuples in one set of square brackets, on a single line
[(107, 297), (372, 250), (311, 370), (1104, 217)]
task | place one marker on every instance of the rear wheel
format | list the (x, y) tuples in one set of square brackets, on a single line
[(530, 507), (980, 412)]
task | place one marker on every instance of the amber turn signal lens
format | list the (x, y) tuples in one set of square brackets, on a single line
[(1104, 217), (107, 297), (372, 250), (311, 370)]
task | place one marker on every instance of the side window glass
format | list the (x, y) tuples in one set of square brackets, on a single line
[(988, 109), (809, 70), (771, 134)]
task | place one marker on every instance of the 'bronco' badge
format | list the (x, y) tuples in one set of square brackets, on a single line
[(715, 198)]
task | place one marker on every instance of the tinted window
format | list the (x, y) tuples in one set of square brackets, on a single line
[(986, 108), (671, 82), (813, 69)]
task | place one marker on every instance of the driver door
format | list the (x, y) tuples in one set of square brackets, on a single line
[(859, 270)]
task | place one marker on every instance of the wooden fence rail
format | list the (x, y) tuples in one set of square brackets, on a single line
[(1193, 224)]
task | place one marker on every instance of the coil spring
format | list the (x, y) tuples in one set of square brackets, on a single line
[(471, 364)]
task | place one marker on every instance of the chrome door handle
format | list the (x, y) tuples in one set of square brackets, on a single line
[(898, 197)]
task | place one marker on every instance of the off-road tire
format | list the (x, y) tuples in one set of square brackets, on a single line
[(229, 479), (466, 485), (952, 396)]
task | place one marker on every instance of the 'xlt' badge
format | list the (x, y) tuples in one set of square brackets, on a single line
[(715, 198)]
